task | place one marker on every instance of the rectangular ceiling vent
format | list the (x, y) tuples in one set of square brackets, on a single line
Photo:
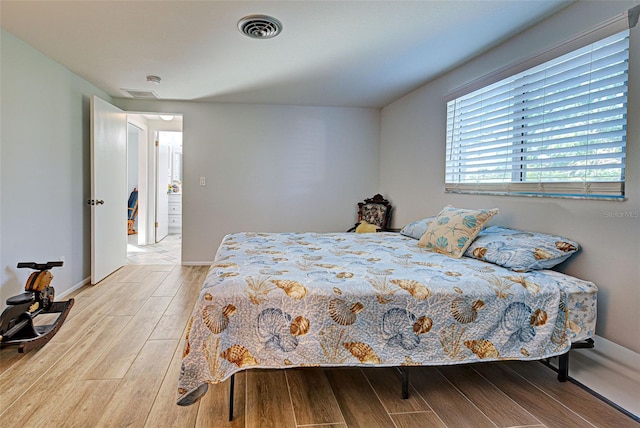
[(140, 95)]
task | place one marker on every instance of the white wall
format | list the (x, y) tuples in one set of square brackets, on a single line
[(140, 124), (132, 157), (44, 173), (270, 168), (412, 172)]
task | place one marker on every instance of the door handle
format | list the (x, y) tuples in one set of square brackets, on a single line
[(94, 202)]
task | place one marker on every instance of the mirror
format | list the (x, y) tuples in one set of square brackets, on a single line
[(177, 167)]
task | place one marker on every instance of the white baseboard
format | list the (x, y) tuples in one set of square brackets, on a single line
[(79, 285), (611, 370), (207, 263)]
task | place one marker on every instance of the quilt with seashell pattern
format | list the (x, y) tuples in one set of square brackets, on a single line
[(277, 300)]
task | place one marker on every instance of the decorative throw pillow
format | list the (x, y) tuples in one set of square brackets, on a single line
[(417, 228), (454, 229), (520, 250), (365, 227)]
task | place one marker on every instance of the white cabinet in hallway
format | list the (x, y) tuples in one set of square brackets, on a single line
[(175, 212)]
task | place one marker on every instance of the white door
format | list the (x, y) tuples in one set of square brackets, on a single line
[(163, 179), (108, 189)]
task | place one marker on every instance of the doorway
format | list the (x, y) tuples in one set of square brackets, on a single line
[(168, 184), (158, 180), (135, 137)]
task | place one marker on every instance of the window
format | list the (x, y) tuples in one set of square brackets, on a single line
[(557, 129)]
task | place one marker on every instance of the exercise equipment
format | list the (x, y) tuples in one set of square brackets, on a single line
[(17, 326)]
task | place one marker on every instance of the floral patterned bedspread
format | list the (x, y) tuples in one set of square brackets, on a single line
[(305, 299)]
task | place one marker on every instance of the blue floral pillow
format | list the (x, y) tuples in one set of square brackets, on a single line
[(519, 250), (417, 228)]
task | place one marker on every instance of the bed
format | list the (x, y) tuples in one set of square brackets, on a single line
[(278, 300)]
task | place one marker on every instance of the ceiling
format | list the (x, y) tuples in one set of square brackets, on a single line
[(330, 53)]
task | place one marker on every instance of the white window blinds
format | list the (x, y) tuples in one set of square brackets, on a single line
[(557, 129)]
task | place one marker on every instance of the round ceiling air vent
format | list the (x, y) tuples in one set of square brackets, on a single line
[(260, 26)]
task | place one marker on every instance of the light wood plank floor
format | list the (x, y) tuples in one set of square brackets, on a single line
[(116, 360)]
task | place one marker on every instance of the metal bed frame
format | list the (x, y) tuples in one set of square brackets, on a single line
[(562, 370)]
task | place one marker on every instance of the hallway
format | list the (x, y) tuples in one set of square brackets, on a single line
[(165, 252)]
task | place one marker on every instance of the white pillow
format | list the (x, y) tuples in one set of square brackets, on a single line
[(417, 228)]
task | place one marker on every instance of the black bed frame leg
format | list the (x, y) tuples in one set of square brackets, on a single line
[(231, 384), (563, 367), (563, 360), (405, 382)]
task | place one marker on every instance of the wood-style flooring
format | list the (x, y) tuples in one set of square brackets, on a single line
[(115, 363)]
